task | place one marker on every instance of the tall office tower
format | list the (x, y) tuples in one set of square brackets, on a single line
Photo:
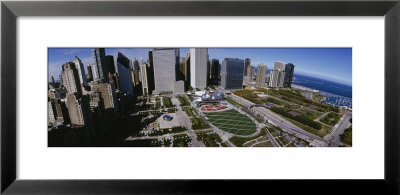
[(51, 112), (81, 70), (250, 73), (78, 108), (150, 72), (276, 78), (109, 59), (95, 72), (214, 69), (232, 73), (70, 78), (79, 113), (143, 74), (99, 60), (279, 65), (124, 74), (208, 70), (247, 62), (135, 72), (52, 79), (141, 61), (90, 73), (164, 63), (177, 58), (289, 69), (198, 67), (261, 74), (185, 68), (107, 92)]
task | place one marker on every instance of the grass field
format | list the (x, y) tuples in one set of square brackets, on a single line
[(232, 121)]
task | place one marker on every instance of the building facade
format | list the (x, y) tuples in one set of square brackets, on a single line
[(250, 74), (279, 65), (198, 67), (247, 63), (70, 78), (124, 74), (289, 70), (179, 87), (107, 92), (232, 73), (276, 78), (261, 74), (165, 63), (99, 59), (215, 69), (81, 70)]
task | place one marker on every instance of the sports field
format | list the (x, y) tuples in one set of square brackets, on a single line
[(232, 121)]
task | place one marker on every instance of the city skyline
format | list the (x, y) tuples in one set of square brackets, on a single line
[(220, 98), (333, 64)]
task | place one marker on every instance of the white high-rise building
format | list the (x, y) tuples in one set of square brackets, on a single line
[(276, 78), (81, 70), (165, 62), (198, 67), (261, 74), (279, 65), (70, 78), (95, 72)]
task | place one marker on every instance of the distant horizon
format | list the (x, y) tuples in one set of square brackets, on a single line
[(331, 64)]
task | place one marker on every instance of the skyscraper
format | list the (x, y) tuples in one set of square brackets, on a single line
[(165, 64), (135, 72), (198, 67), (279, 65), (95, 72), (276, 78), (70, 78), (247, 62), (232, 73), (90, 73), (250, 73), (110, 63), (289, 69), (214, 69), (261, 74), (150, 72), (99, 60), (124, 74), (185, 69), (80, 114), (144, 74), (81, 70), (107, 92)]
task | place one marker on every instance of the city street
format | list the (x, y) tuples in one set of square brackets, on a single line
[(333, 138)]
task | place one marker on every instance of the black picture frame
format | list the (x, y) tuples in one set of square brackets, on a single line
[(10, 10)]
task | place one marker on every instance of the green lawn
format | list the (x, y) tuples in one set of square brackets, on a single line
[(232, 121), (239, 141)]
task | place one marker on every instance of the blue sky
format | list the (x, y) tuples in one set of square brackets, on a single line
[(333, 64)]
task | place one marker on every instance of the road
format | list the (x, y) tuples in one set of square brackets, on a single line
[(333, 138), (279, 121)]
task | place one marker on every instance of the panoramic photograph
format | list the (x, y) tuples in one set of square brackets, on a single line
[(199, 97)]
